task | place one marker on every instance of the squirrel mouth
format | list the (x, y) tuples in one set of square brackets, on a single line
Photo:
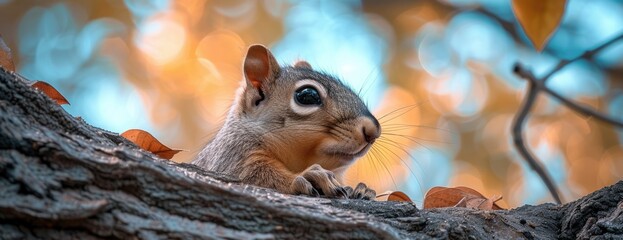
[(346, 156)]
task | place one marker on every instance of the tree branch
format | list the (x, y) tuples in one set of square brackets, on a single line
[(518, 140), (581, 109), (536, 85), (586, 55)]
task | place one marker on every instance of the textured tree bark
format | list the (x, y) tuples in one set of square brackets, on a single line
[(61, 178)]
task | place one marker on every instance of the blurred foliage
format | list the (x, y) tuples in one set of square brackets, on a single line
[(440, 72)]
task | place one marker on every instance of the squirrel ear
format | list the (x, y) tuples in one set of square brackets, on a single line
[(259, 66), (302, 64)]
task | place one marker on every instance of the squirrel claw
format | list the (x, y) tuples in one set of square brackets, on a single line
[(300, 185), (315, 192), (341, 192), (361, 191), (349, 191), (317, 181)]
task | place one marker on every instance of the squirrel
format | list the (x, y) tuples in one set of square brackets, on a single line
[(292, 129)]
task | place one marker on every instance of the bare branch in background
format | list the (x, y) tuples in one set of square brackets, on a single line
[(536, 85), (579, 108), (518, 140)]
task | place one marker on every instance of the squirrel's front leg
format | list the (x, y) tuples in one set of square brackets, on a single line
[(313, 181), (317, 181)]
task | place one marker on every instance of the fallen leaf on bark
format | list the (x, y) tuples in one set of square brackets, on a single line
[(149, 143), (395, 196), (439, 197), (50, 91), (6, 62), (483, 203)]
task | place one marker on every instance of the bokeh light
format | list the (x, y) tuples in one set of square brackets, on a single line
[(160, 38)]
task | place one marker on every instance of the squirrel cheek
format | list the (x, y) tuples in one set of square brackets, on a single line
[(328, 145)]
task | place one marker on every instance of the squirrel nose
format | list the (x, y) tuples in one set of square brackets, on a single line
[(370, 129)]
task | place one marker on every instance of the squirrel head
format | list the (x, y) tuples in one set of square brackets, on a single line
[(303, 116)]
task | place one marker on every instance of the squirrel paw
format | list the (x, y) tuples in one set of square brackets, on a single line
[(317, 181), (361, 191)]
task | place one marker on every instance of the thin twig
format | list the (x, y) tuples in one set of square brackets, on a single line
[(586, 55), (518, 140), (535, 86), (582, 109)]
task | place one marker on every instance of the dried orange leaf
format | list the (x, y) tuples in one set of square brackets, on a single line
[(438, 197), (484, 203), (50, 91), (394, 196), (470, 191), (478, 203), (6, 62), (539, 18), (149, 143), (433, 190), (6, 58), (493, 200)]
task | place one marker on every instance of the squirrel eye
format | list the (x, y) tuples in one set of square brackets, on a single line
[(307, 96)]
